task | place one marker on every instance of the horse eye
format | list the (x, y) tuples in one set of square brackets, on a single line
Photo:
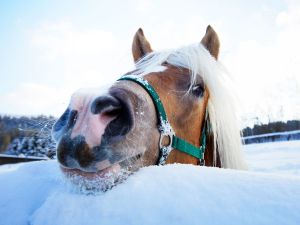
[(198, 91)]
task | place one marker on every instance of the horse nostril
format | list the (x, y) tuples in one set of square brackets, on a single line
[(107, 105), (64, 123), (116, 107), (113, 112)]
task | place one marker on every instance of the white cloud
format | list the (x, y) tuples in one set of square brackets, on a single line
[(173, 34), (143, 5), (290, 17), (86, 57), (75, 58), (32, 98), (62, 39), (268, 74)]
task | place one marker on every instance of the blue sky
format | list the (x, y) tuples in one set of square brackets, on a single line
[(51, 48)]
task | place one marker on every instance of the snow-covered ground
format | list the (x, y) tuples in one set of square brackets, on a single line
[(269, 193), (274, 157)]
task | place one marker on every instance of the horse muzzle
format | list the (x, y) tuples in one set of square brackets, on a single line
[(91, 129)]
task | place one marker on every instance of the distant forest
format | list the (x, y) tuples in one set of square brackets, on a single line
[(271, 127), (19, 128), (22, 135)]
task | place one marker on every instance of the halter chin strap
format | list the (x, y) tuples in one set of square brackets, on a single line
[(166, 130)]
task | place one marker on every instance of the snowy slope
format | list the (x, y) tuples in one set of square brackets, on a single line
[(275, 157), (34, 193)]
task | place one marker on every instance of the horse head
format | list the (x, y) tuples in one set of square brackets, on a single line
[(105, 132)]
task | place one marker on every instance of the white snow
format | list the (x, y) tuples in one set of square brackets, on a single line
[(35, 193), (274, 157)]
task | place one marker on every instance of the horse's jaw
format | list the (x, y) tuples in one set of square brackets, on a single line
[(94, 182), (104, 175)]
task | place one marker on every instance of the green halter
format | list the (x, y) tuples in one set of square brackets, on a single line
[(166, 129)]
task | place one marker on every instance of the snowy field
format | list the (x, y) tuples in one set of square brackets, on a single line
[(274, 157), (269, 193)]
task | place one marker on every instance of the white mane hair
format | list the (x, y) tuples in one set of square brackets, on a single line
[(222, 107)]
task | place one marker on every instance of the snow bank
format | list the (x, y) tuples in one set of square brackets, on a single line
[(34, 193), (278, 157)]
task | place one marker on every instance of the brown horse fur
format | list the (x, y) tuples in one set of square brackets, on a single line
[(184, 120), (211, 41), (140, 45)]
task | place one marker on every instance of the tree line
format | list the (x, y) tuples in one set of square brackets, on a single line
[(271, 127), (13, 128)]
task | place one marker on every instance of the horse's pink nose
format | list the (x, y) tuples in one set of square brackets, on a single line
[(83, 137)]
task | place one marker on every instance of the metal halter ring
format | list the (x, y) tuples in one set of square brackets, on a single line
[(169, 135)]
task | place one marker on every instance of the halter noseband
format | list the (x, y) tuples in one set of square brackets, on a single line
[(166, 129)]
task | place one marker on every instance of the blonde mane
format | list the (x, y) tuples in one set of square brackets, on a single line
[(222, 107)]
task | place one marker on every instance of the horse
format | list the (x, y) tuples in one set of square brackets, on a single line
[(175, 106)]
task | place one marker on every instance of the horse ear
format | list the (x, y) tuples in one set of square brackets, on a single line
[(140, 45), (211, 41)]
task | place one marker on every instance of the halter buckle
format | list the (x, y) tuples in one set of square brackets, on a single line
[(168, 135), (165, 149)]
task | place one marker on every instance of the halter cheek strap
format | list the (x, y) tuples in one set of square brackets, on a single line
[(166, 129)]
